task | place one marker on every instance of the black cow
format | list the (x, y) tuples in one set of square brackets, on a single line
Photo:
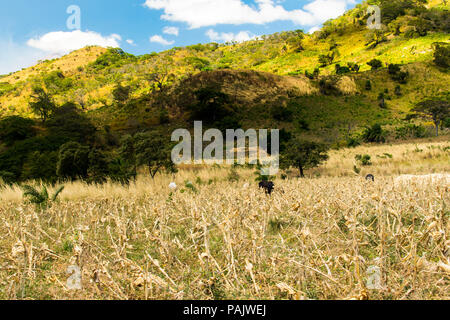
[(268, 186), (370, 177)]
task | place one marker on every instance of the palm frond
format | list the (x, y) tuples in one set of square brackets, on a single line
[(33, 194), (57, 192), (44, 192)]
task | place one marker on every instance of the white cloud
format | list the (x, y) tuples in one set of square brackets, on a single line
[(171, 30), (61, 42), (161, 40), (323, 10), (228, 37), (203, 13), (130, 42)]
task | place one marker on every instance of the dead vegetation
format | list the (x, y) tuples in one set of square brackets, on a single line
[(312, 239)]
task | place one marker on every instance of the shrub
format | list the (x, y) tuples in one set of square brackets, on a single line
[(401, 77), (368, 85), (7, 177), (281, 113), (353, 66), (302, 124), (353, 142), (341, 70), (375, 64), (441, 54), (114, 57), (381, 101), (328, 86), (41, 199), (163, 116), (327, 59), (121, 93), (375, 133), (364, 160), (121, 171), (396, 73), (233, 176), (57, 82), (262, 177), (446, 123), (228, 122), (393, 68), (198, 63)]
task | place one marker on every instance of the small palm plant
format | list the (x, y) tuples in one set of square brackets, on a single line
[(41, 199)]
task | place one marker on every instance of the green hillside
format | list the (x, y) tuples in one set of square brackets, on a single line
[(318, 86)]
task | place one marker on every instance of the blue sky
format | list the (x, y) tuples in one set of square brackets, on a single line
[(31, 30)]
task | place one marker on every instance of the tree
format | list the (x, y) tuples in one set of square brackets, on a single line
[(73, 161), (436, 109), (441, 54), (69, 123), (296, 41), (374, 133), (15, 128), (212, 105), (327, 59), (375, 64), (121, 93), (374, 38), (303, 155), (153, 151), (160, 76), (97, 166), (197, 63), (80, 97), (421, 26), (396, 73), (42, 103), (40, 166)]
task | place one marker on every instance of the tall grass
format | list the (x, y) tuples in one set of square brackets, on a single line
[(312, 239)]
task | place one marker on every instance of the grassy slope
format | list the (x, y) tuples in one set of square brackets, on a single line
[(274, 55)]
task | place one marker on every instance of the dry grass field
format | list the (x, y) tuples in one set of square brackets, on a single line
[(314, 238)]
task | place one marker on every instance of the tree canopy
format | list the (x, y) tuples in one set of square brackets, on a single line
[(435, 109), (303, 154)]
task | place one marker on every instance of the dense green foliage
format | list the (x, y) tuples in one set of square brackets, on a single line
[(302, 154)]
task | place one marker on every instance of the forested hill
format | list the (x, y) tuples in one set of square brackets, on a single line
[(327, 85)]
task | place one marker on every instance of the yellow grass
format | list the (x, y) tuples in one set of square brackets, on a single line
[(314, 238), (407, 158)]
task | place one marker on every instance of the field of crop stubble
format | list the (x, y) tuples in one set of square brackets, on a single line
[(313, 238)]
